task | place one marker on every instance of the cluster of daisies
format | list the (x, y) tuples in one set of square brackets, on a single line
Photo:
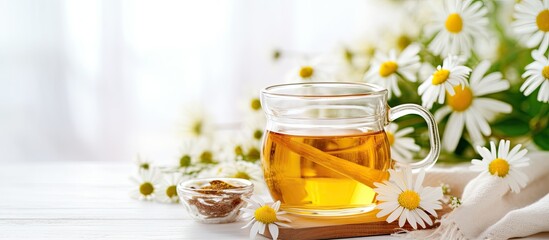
[(403, 195), (467, 89), (206, 151)]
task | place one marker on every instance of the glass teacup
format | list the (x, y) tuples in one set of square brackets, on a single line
[(325, 146)]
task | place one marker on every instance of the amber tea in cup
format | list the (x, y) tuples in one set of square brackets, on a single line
[(324, 145)]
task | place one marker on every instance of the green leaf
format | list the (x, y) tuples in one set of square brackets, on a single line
[(512, 127), (532, 105), (542, 139)]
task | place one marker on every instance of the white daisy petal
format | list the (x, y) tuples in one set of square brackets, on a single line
[(395, 215), (386, 208), (417, 218), (424, 216), (248, 224), (419, 180), (254, 230), (402, 218), (273, 230), (411, 219), (442, 112), (283, 225), (262, 228), (276, 206), (453, 131), (280, 218)]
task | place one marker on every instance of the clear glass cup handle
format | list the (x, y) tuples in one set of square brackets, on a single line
[(434, 139)]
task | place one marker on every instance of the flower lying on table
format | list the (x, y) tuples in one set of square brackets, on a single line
[(503, 163), (262, 215), (402, 198)]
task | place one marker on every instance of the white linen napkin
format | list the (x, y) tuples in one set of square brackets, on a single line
[(490, 210)]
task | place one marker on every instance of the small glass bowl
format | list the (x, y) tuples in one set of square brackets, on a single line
[(214, 205)]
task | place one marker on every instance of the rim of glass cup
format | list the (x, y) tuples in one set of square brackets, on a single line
[(186, 186), (369, 90)]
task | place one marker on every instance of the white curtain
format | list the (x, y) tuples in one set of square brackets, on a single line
[(105, 80)]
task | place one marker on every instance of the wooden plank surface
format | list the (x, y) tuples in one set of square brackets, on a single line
[(83, 200), (70, 200), (367, 224)]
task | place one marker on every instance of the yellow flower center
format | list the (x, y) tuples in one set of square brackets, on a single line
[(306, 72), (499, 166), (403, 41), (545, 72), (253, 155), (258, 134), (454, 23), (542, 20), (387, 68), (391, 138), (197, 128), (144, 166), (171, 191), (206, 157), (256, 104), (185, 161), (409, 199), (461, 100), (440, 76), (146, 189), (243, 175), (276, 54), (265, 215), (348, 54), (238, 150)]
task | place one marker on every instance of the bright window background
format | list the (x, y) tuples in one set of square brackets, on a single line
[(105, 80)]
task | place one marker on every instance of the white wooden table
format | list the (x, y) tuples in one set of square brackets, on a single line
[(70, 200), (74, 200)]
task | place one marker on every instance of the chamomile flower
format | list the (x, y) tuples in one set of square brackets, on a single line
[(401, 146), (406, 30), (196, 123), (444, 79), (388, 68), (532, 23), (206, 155), (408, 201), (458, 24), (537, 74), (310, 70), (242, 146), (186, 156), (147, 185), (143, 164), (254, 104), (503, 164), (254, 126), (168, 188), (250, 144), (263, 216), (250, 151), (251, 105), (353, 62), (468, 108)]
